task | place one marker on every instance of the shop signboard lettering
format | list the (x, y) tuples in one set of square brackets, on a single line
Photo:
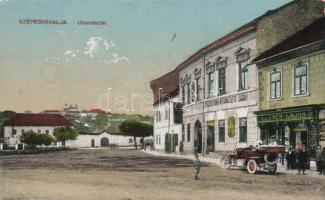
[(227, 99), (285, 116)]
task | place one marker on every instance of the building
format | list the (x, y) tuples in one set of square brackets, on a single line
[(102, 139), (39, 123), (219, 92), (52, 112), (292, 92), (167, 112)]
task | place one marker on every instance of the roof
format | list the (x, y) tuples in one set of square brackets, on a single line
[(96, 110), (240, 32), (99, 133), (48, 111), (169, 84), (23, 119), (312, 34)]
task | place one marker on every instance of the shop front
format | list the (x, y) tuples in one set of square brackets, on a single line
[(290, 126)]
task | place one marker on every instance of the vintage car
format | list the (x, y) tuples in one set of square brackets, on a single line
[(263, 157)]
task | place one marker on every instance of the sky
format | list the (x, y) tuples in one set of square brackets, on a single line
[(46, 66)]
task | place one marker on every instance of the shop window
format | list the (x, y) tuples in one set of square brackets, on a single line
[(243, 75), (183, 132), (210, 139), (188, 132), (222, 81), (243, 130), (130, 140), (301, 79), (221, 131), (275, 90)]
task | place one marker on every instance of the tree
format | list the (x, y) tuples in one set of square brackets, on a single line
[(136, 129), (63, 134), (33, 139)]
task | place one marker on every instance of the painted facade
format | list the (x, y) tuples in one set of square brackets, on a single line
[(219, 91), (291, 94)]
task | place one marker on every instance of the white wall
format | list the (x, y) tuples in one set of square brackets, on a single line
[(85, 140)]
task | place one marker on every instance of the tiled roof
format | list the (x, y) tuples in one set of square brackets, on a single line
[(313, 33), (23, 119), (169, 84), (96, 110)]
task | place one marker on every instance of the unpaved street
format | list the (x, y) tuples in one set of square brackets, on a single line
[(128, 174)]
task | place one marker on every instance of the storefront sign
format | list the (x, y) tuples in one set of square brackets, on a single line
[(227, 99), (210, 123), (285, 116), (231, 127)]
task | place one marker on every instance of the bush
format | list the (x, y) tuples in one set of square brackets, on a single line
[(31, 138)]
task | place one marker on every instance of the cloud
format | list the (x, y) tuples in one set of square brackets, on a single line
[(71, 53), (116, 59), (92, 46), (108, 44)]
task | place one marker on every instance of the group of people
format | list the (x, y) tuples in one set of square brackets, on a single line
[(297, 158)]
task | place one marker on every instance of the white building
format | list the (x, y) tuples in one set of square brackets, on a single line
[(39, 123), (102, 139), (167, 112), (219, 92)]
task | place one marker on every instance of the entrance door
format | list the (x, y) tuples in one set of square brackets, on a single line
[(92, 143), (210, 138), (198, 137), (104, 142)]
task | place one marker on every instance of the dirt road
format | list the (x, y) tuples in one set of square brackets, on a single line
[(127, 174)]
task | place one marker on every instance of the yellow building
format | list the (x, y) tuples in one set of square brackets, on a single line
[(292, 89)]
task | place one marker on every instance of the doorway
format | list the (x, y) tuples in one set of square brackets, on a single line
[(198, 137)]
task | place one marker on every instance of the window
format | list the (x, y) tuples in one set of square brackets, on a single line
[(222, 81), (193, 92), (166, 114), (22, 131), (14, 132), (183, 94), (183, 132), (188, 94), (197, 90), (159, 141), (210, 138), (275, 85), (188, 132), (130, 140), (210, 84), (39, 131), (243, 75), (221, 131), (47, 131), (243, 130), (300, 79)]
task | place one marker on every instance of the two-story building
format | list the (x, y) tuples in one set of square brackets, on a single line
[(291, 89), (167, 112), (219, 91)]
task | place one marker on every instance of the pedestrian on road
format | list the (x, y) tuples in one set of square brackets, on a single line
[(301, 157), (322, 168), (197, 166), (318, 159), (181, 148)]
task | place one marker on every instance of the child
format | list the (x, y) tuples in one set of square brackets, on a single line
[(197, 166)]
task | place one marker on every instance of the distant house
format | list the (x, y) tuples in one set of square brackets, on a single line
[(52, 112), (102, 139), (94, 112), (39, 123)]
